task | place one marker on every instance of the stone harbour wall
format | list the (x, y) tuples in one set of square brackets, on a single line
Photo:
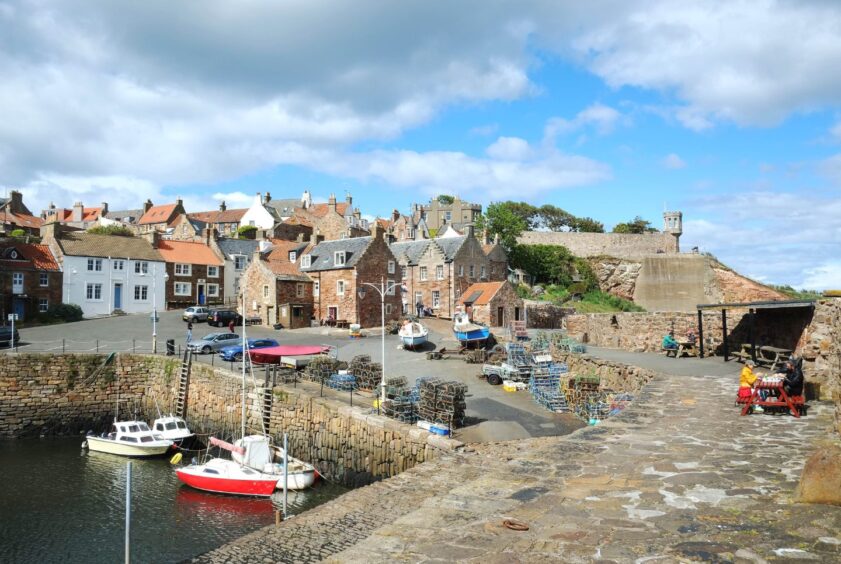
[(820, 347), (612, 375), (624, 245), (66, 394)]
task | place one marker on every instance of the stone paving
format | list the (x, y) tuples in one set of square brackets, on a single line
[(679, 476)]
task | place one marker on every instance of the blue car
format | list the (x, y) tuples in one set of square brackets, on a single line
[(235, 353)]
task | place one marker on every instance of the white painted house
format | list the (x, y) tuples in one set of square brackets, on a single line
[(107, 273), (259, 215)]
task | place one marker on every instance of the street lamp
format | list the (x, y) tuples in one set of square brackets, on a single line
[(155, 305), (382, 288)]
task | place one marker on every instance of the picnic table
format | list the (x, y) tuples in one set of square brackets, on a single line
[(686, 348), (777, 397), (342, 324), (766, 355)]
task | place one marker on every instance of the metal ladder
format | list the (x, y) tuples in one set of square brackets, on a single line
[(184, 384), (268, 395)]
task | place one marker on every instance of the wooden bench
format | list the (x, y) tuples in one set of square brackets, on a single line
[(670, 352), (342, 324)]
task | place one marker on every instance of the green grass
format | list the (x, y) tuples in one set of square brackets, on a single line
[(594, 301), (797, 294)]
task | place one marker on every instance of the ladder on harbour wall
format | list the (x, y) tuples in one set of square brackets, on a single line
[(184, 384), (268, 395)]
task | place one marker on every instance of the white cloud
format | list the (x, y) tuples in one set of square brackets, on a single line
[(598, 116), (484, 130), (673, 162), (509, 149), (824, 277)]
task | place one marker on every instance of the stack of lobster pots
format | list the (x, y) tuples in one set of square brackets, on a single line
[(442, 402)]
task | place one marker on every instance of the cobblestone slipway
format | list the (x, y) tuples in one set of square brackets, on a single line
[(679, 476)]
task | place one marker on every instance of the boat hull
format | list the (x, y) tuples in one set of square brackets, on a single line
[(475, 335), (109, 446), (298, 480), (262, 486), (412, 342)]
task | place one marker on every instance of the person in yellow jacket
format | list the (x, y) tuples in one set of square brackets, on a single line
[(747, 380)]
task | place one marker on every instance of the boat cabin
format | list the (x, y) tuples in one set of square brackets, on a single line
[(132, 432)]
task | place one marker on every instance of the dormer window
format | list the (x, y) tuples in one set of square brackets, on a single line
[(306, 261), (339, 258), (293, 256)]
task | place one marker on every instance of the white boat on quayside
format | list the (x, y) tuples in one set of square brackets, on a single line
[(413, 334), (129, 438), (260, 455), (173, 428)]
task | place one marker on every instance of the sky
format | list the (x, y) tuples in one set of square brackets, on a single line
[(727, 111)]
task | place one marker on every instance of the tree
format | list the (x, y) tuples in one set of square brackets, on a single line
[(17, 233), (587, 225), (247, 232), (445, 200), (119, 230), (500, 219), (637, 225), (554, 264)]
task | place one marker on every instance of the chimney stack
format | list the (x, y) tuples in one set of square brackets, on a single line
[(331, 203), (147, 205), (470, 231), (486, 237), (222, 206), (376, 230), (154, 238), (316, 238), (268, 198), (78, 212), (104, 209), (300, 238), (16, 202), (50, 231), (349, 199)]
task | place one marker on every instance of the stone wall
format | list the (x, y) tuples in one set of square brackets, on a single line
[(612, 375), (61, 394), (622, 245), (545, 315), (820, 347)]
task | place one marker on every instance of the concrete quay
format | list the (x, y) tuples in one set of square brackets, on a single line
[(679, 476)]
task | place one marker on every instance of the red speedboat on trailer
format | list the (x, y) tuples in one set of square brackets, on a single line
[(220, 475)]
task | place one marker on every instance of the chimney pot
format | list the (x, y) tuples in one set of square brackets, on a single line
[(222, 206)]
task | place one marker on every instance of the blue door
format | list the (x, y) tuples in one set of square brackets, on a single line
[(118, 296), (201, 294), (18, 307)]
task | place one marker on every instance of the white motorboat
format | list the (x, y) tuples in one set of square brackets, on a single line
[(413, 334), (257, 453), (129, 438), (175, 429)]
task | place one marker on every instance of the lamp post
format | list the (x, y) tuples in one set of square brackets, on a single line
[(155, 305), (382, 288)]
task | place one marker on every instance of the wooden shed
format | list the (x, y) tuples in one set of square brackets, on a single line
[(493, 303)]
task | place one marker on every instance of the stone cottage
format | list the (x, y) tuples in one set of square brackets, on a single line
[(276, 289), (15, 215), (340, 270), (493, 303), (159, 218), (196, 274), (436, 272), (30, 279)]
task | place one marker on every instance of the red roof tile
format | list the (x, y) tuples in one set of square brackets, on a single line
[(38, 257), (188, 252), (21, 220), (219, 216), (320, 210), (277, 260), (487, 289), (157, 214), (88, 214)]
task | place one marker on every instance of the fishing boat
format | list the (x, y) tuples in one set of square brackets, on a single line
[(413, 334), (257, 453), (175, 429), (221, 475), (129, 438), (468, 332)]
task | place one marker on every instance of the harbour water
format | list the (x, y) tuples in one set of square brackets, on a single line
[(59, 503)]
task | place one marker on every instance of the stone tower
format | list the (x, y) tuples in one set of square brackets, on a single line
[(673, 224)]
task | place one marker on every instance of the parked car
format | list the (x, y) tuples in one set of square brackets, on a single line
[(195, 313), (6, 337), (222, 317), (234, 353), (213, 342)]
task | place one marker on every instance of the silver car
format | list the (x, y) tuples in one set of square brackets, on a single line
[(195, 313), (214, 342)]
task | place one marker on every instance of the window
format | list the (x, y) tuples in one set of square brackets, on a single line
[(183, 269), (94, 265), (299, 289), (119, 264), (213, 272), (339, 258), (410, 234), (183, 289), (439, 272), (239, 262), (388, 309), (340, 287), (436, 299), (461, 270), (448, 215), (43, 279), (482, 272), (472, 271), (316, 287), (141, 293), (265, 290), (404, 271), (418, 297), (306, 261), (293, 256), (93, 292), (213, 290), (423, 273), (390, 287), (391, 267), (141, 267), (252, 223), (43, 305), (17, 282)]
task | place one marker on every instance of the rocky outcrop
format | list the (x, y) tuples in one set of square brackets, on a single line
[(616, 276), (729, 287), (821, 478)]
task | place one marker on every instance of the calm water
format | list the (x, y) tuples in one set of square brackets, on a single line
[(61, 504)]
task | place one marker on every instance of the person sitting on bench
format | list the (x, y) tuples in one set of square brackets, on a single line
[(747, 380), (669, 342), (690, 337), (793, 377)]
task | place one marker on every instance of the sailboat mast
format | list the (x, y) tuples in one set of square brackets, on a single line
[(244, 352)]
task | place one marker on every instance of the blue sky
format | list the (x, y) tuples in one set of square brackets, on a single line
[(608, 110)]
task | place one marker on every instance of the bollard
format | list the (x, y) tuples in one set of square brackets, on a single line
[(277, 518), (62, 346), (212, 358), (97, 345), (133, 348)]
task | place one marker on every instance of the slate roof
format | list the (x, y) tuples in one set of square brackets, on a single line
[(451, 245), (411, 250), (480, 293), (188, 252), (84, 244), (31, 256), (231, 247), (324, 253), (121, 215), (285, 206)]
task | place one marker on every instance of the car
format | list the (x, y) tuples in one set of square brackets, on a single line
[(223, 317), (6, 337), (213, 342), (234, 353), (195, 313)]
